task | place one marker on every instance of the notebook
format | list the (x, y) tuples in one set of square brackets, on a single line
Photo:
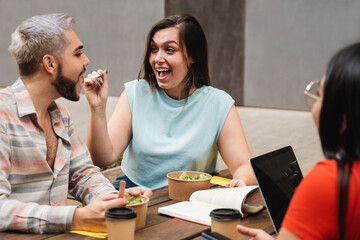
[(277, 174)]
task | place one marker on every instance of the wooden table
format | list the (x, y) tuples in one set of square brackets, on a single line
[(162, 227)]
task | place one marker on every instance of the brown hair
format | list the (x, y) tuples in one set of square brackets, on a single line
[(192, 39)]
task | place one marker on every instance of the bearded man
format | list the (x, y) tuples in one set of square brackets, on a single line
[(41, 157)]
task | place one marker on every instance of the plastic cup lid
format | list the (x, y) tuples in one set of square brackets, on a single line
[(120, 213), (225, 214)]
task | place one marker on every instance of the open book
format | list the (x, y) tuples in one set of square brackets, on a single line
[(202, 202)]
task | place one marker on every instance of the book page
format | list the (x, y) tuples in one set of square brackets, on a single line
[(201, 203), (193, 212), (224, 197)]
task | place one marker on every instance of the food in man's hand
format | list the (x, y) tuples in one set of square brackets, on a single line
[(185, 176), (134, 200), (92, 78)]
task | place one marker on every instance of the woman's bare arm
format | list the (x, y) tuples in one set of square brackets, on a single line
[(235, 151)]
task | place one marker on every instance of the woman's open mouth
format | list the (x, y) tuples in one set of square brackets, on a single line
[(162, 73)]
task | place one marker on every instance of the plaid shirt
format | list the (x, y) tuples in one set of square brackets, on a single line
[(33, 196)]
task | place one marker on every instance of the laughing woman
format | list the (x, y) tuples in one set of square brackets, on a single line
[(171, 119)]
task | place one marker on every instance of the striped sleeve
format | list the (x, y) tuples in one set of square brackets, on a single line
[(34, 218), (27, 217), (86, 180)]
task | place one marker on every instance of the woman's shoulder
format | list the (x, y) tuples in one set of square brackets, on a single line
[(137, 87), (325, 164), (214, 93), (321, 179), (214, 90), (324, 170), (137, 83)]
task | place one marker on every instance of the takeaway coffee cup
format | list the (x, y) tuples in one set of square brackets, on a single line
[(120, 223), (224, 221)]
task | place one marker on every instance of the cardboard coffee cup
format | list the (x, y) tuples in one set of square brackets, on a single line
[(120, 223), (224, 221), (141, 210)]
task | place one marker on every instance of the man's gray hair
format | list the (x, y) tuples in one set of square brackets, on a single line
[(38, 36)]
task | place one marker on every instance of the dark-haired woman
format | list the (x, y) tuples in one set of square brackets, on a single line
[(326, 204), (171, 119)]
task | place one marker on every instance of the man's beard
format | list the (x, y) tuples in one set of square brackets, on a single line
[(65, 86)]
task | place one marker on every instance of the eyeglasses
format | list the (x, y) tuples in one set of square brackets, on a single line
[(312, 93)]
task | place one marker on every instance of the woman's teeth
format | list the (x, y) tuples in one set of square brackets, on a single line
[(163, 71)]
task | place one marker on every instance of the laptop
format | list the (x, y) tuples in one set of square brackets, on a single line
[(277, 174)]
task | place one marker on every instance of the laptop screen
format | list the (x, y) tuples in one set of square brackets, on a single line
[(278, 174)]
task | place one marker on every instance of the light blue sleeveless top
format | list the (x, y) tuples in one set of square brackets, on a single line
[(168, 136)]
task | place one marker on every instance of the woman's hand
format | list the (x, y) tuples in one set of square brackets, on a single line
[(237, 182), (256, 234), (136, 191)]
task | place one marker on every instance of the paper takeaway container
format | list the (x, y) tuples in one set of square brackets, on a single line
[(180, 190), (141, 210)]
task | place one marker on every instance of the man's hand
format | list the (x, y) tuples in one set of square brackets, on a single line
[(256, 234), (92, 216), (136, 191), (96, 91)]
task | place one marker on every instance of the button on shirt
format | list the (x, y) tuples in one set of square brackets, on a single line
[(33, 197)]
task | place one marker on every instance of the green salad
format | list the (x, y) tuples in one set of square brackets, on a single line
[(134, 200), (185, 176)]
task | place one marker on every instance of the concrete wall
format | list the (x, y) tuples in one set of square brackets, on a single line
[(113, 33), (223, 23), (265, 52), (289, 43), (262, 52)]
